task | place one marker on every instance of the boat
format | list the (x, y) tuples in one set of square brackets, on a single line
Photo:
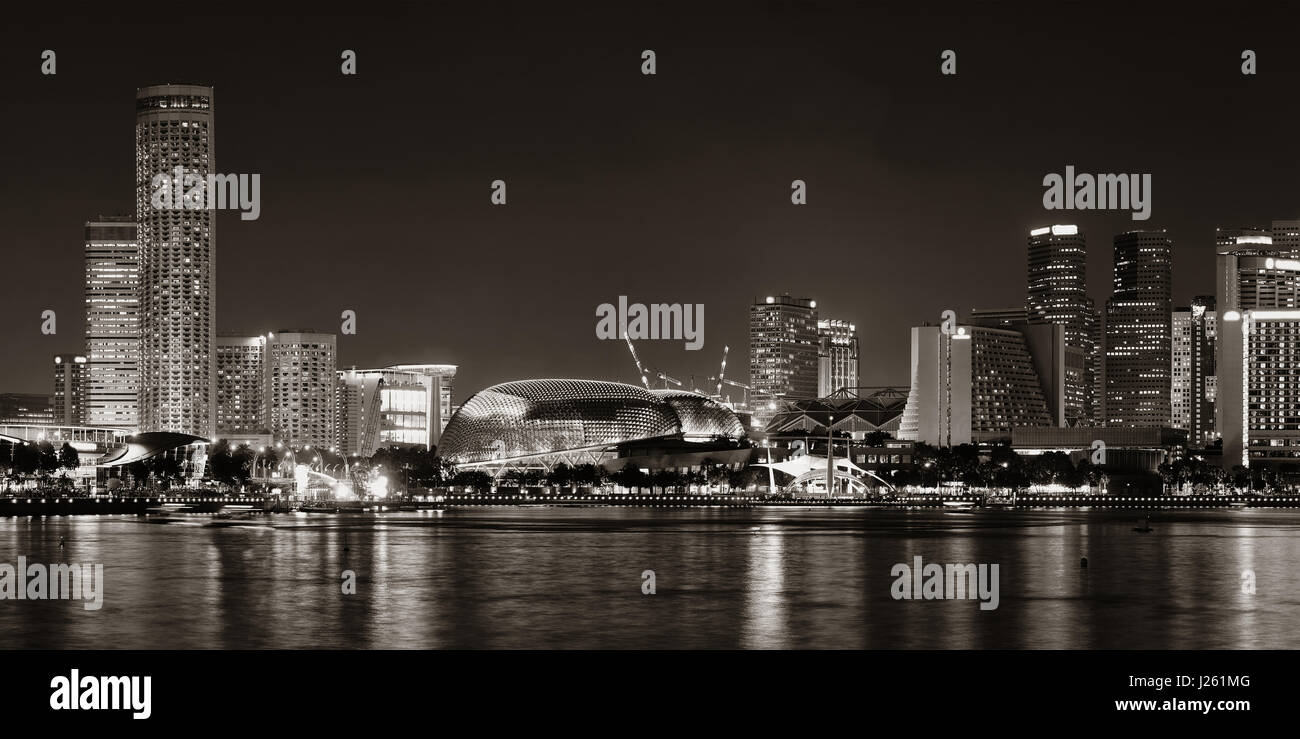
[(959, 504), (1145, 528)]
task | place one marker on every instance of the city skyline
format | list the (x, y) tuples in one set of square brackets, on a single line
[(893, 154)]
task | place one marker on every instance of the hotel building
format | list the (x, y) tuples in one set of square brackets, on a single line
[(979, 382), (300, 387), (241, 386), (174, 128)]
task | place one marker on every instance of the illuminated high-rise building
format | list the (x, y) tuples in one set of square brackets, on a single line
[(300, 395), (1258, 310), (241, 386), (1058, 293), (174, 128), (68, 401), (783, 346), (1192, 381), (112, 323), (837, 356), (1138, 342)]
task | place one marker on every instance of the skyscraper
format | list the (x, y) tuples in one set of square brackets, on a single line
[(1058, 293), (68, 401), (1138, 341), (174, 129), (241, 385), (1258, 294), (300, 387), (112, 323), (1192, 380), (782, 352), (837, 355)]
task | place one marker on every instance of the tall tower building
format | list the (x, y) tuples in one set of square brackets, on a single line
[(68, 401), (1192, 381), (301, 387), (1258, 297), (241, 385), (112, 397), (1138, 342), (837, 356), (174, 129), (1058, 293), (782, 352)]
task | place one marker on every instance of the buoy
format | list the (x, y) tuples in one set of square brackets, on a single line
[(1083, 562)]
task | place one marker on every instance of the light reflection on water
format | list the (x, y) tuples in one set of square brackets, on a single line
[(725, 578)]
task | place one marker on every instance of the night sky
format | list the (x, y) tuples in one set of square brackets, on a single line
[(671, 188)]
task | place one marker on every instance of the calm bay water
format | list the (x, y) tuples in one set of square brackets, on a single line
[(572, 577)]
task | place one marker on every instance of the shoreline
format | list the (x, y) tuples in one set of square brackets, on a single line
[(12, 506)]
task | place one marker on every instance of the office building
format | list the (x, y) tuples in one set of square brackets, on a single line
[(112, 382), (68, 401), (1138, 327), (783, 346), (26, 409), (837, 356), (1192, 379), (1057, 293)]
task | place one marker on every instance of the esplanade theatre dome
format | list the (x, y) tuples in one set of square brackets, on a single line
[(537, 417)]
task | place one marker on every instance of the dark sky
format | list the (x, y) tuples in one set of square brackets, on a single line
[(672, 188)]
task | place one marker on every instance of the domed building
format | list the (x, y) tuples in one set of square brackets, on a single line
[(540, 423)]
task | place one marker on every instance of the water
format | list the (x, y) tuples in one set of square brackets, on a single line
[(725, 578)]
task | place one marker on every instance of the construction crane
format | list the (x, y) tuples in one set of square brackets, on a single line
[(640, 370), (646, 372), (723, 372), (724, 381), (666, 378)]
